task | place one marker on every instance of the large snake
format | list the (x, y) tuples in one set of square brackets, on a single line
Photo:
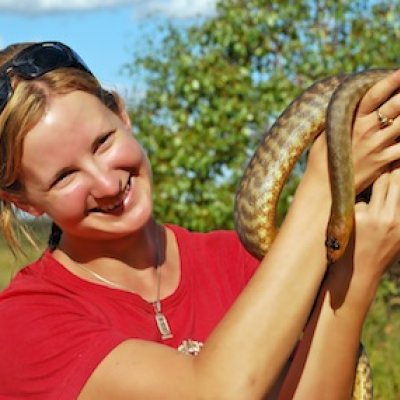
[(328, 104)]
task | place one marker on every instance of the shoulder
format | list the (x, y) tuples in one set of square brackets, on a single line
[(26, 279), (42, 278), (31, 297), (45, 324), (219, 248)]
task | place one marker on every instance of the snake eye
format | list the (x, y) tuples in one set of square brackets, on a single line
[(332, 243)]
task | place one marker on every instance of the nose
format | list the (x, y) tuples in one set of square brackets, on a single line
[(104, 183)]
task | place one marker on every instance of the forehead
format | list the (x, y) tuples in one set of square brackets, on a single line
[(69, 125)]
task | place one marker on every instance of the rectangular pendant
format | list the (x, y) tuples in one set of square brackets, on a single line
[(163, 326)]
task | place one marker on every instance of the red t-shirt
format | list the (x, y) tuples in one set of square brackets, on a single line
[(55, 328)]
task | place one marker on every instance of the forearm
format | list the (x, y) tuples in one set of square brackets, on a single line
[(273, 309), (324, 365)]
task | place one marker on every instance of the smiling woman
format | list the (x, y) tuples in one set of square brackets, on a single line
[(95, 178), (119, 301)]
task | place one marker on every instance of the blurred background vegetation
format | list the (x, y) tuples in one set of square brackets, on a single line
[(212, 89)]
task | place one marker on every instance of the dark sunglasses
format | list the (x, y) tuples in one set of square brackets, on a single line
[(36, 60)]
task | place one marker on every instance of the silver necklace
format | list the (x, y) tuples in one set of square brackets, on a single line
[(160, 318)]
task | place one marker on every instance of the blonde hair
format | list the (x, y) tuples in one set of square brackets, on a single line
[(23, 110)]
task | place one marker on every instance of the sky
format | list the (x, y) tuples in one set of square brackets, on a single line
[(104, 33)]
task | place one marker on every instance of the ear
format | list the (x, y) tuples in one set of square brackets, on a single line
[(35, 212), (20, 203)]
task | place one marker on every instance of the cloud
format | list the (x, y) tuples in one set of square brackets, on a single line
[(168, 8), (176, 8), (49, 6)]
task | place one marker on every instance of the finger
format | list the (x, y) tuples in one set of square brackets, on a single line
[(379, 93), (393, 193), (379, 191), (390, 154), (361, 206), (384, 116), (387, 136)]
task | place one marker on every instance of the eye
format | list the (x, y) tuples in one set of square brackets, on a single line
[(62, 177), (103, 141)]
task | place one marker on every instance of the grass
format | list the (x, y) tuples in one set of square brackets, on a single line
[(381, 335), (10, 264)]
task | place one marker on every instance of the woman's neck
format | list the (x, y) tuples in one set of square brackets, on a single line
[(140, 250), (130, 264)]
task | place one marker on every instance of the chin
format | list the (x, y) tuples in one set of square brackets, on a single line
[(112, 227)]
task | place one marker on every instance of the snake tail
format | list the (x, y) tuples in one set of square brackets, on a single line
[(263, 180), (339, 123)]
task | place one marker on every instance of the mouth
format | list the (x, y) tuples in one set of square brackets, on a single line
[(118, 203)]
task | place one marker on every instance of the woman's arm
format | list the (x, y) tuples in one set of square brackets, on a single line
[(246, 352)]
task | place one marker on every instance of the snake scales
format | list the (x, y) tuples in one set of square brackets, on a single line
[(328, 104)]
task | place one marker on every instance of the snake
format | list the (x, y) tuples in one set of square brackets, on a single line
[(328, 104)]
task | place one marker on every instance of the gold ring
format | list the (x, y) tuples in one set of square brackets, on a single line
[(383, 120)]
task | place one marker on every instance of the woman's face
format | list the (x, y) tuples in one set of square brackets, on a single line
[(83, 168)]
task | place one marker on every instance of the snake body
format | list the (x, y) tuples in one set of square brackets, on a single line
[(328, 104)]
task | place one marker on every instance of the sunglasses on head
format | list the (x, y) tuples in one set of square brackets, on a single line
[(34, 61)]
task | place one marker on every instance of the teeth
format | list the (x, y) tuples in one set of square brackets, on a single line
[(119, 201)]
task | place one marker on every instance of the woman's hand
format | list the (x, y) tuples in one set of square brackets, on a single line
[(376, 242), (374, 148)]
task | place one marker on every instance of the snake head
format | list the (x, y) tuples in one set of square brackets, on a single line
[(337, 237), (333, 248)]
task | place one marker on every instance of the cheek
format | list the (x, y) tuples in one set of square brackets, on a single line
[(67, 205)]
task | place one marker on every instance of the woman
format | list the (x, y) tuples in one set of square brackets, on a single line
[(102, 313)]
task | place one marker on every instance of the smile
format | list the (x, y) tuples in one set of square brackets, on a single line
[(118, 203)]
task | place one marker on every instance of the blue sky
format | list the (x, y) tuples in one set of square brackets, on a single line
[(104, 32)]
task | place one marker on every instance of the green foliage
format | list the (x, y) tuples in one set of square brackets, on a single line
[(382, 340), (212, 88)]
